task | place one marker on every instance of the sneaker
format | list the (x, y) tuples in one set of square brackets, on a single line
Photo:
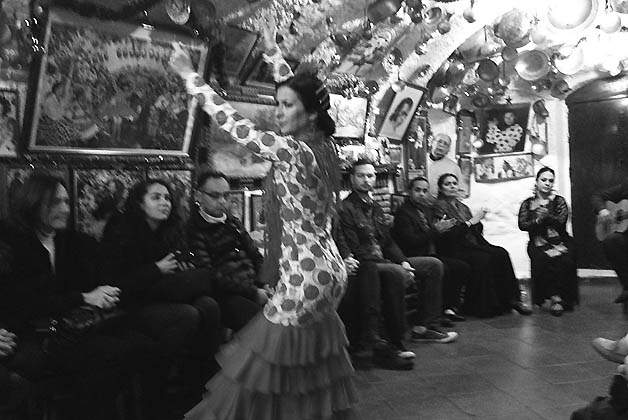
[(404, 353), (433, 335), (451, 315), (390, 358), (522, 308), (615, 351)]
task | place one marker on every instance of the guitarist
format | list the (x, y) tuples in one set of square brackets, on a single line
[(615, 245)]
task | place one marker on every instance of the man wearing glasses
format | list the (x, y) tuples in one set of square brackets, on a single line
[(220, 242)]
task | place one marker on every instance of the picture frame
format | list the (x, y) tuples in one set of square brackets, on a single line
[(236, 204), (10, 121), (451, 105), (180, 181), (14, 176), (503, 128), (415, 149), (261, 74), (349, 114), (258, 221), (231, 158), (465, 163), (100, 194), (466, 128), (103, 86), (395, 151), (503, 167), (401, 112), (240, 44), (396, 201)]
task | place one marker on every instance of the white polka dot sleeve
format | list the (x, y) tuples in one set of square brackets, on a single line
[(281, 69), (266, 144)]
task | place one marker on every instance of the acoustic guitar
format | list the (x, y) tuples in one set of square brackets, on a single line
[(618, 221)]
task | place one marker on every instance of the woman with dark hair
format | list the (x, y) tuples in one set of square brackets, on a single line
[(399, 115), (493, 288), (50, 271), (551, 249), (144, 250), (291, 360)]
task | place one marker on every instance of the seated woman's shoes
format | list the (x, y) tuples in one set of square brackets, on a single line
[(623, 297), (614, 351), (521, 308)]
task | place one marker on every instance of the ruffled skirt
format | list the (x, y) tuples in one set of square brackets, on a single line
[(275, 372)]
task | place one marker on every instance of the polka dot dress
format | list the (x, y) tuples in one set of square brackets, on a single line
[(504, 140), (291, 362)]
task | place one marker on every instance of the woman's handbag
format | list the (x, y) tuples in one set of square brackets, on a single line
[(77, 324)]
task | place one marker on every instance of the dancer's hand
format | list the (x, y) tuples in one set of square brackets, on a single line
[(351, 265), (262, 297), (269, 34)]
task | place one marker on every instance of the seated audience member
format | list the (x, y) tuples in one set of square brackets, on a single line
[(551, 249), (367, 238), (221, 244), (493, 288), (438, 163), (167, 298), (50, 271), (615, 245), (415, 233)]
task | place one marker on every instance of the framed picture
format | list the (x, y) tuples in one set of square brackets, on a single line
[(451, 105), (14, 177), (466, 127), (415, 149), (9, 121), (99, 194), (396, 153), (258, 221), (106, 88), (240, 43), (498, 168), (236, 204), (401, 112), (261, 75), (396, 200), (503, 128), (350, 117), (466, 170), (228, 156), (181, 183)]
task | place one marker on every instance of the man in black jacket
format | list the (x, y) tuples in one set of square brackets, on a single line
[(416, 235), (220, 243), (367, 238)]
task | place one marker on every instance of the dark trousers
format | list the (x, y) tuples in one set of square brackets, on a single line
[(553, 276), (236, 311), (615, 248), (97, 367), (370, 296), (13, 390), (455, 276)]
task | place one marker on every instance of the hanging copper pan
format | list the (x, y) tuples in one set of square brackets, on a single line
[(487, 70), (532, 65)]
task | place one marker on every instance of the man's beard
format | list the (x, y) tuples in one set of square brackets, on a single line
[(364, 190)]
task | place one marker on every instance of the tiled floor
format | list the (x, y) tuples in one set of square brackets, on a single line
[(511, 367)]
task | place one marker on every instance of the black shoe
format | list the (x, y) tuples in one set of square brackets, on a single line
[(390, 357), (623, 297), (521, 308), (451, 315)]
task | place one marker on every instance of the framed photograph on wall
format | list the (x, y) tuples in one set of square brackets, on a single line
[(503, 128), (9, 121), (180, 181), (499, 168), (228, 156), (240, 43), (98, 195), (349, 114), (401, 112), (258, 220), (465, 164), (236, 204), (466, 127), (106, 88), (396, 153)]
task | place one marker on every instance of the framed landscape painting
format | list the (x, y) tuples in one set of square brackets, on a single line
[(107, 88)]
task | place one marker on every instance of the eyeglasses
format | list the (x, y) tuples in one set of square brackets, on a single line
[(216, 195)]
